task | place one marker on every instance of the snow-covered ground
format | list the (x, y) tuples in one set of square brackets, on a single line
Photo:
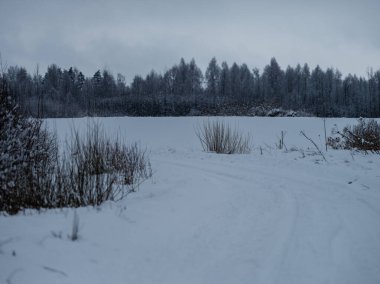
[(271, 217)]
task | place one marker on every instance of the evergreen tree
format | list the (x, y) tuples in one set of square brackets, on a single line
[(246, 83), (194, 79), (213, 74), (235, 81), (305, 86), (225, 81), (273, 83)]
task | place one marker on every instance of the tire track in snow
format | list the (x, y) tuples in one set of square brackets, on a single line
[(311, 225), (283, 216)]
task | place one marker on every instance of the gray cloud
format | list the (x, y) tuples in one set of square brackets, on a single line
[(133, 37)]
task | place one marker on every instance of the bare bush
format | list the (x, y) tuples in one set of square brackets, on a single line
[(99, 169), (132, 163), (34, 175), (365, 136), (219, 137)]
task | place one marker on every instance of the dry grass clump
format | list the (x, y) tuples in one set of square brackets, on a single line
[(101, 169), (217, 136)]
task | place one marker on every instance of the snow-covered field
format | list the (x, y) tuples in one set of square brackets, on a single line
[(272, 217)]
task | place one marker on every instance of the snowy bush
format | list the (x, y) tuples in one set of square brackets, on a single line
[(28, 159), (220, 138), (365, 136), (34, 175)]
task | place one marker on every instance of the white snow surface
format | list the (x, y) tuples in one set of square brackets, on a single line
[(275, 217)]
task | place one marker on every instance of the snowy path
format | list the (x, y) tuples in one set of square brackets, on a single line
[(320, 230), (206, 218)]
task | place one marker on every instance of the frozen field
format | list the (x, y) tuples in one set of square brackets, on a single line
[(272, 216)]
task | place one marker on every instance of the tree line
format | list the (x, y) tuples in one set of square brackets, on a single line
[(185, 90)]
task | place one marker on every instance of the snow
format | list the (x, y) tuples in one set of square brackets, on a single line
[(279, 217)]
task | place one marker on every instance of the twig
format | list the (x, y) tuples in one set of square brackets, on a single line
[(50, 269), (315, 145)]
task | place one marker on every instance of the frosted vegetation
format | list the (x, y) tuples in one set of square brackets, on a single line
[(35, 173), (185, 90), (216, 136)]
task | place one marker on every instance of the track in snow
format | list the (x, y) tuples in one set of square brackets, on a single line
[(314, 232)]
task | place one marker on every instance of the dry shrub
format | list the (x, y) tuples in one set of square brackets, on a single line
[(365, 136), (219, 137), (100, 169), (34, 175)]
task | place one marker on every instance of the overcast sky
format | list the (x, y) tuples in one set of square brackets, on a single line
[(135, 36)]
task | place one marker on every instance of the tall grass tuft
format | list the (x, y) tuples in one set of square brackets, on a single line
[(217, 136)]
